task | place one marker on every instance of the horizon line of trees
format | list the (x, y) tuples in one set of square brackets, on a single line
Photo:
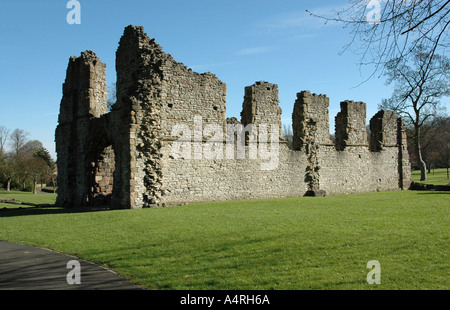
[(24, 163)]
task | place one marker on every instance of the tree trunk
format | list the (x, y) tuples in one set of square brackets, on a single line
[(35, 188), (422, 165), (8, 185)]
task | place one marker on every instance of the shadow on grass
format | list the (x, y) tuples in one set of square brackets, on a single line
[(46, 209)]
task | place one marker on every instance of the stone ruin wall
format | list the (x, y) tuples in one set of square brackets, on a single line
[(125, 158), (84, 98)]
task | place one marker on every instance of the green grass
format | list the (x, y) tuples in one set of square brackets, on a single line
[(436, 177), (39, 199), (292, 244)]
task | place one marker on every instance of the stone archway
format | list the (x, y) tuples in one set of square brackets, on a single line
[(100, 161), (101, 178)]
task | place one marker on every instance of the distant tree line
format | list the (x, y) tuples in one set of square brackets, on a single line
[(435, 137), (24, 163)]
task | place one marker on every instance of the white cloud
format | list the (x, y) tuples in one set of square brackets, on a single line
[(302, 19), (303, 36), (255, 50), (203, 67)]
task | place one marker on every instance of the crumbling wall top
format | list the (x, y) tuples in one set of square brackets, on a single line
[(85, 74), (350, 125), (261, 104), (310, 117), (383, 130)]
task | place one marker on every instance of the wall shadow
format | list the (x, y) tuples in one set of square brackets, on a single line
[(48, 209)]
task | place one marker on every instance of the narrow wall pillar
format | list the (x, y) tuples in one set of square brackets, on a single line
[(84, 98), (351, 125), (261, 105), (310, 125), (310, 120), (405, 179), (139, 64), (383, 130)]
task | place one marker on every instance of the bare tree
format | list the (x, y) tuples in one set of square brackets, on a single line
[(434, 134), (18, 140), (4, 133), (112, 96), (43, 154), (9, 169), (288, 135), (31, 147), (418, 88), (36, 169), (384, 30), (436, 137)]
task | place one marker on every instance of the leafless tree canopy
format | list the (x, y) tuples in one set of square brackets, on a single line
[(419, 86), (4, 133), (18, 139), (112, 96), (399, 28)]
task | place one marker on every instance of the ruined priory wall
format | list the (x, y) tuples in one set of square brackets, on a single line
[(187, 94), (261, 105), (84, 99), (358, 170), (359, 163), (104, 171), (266, 171), (192, 180), (155, 94), (348, 167), (138, 110)]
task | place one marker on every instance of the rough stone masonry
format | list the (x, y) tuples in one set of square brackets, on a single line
[(125, 158)]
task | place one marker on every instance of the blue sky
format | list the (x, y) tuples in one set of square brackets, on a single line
[(240, 41)]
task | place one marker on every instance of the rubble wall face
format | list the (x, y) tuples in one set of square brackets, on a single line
[(232, 179), (167, 140), (84, 99)]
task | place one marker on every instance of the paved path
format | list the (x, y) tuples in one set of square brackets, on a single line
[(28, 268)]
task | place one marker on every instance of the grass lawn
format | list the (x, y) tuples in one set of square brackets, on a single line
[(436, 177), (43, 199), (292, 244)]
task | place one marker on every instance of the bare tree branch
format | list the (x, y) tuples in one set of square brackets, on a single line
[(422, 85), (403, 25), (426, 18)]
